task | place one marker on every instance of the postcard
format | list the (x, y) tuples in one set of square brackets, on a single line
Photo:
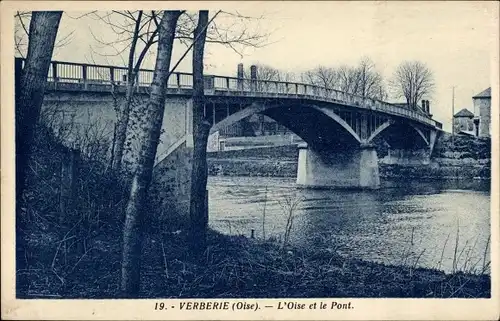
[(292, 160)]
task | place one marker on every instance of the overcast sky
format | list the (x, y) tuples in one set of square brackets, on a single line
[(455, 40)]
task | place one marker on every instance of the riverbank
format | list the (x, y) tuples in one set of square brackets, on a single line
[(460, 158), (233, 267)]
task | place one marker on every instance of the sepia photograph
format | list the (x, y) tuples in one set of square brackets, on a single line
[(256, 157)]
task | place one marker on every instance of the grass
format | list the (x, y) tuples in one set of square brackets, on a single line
[(233, 267)]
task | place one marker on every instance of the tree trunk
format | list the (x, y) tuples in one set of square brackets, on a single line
[(201, 129), (132, 234), (124, 114), (29, 94), (122, 124), (29, 91)]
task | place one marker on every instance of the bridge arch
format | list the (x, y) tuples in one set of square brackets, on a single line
[(338, 119), (256, 108), (379, 129), (239, 115), (391, 122), (419, 131)]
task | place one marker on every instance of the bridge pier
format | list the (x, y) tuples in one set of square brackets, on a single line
[(350, 168)]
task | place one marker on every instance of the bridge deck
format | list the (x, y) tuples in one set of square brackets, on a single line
[(69, 76)]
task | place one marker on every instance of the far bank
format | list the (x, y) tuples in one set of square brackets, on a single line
[(459, 157)]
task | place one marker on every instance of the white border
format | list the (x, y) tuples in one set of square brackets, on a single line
[(373, 309)]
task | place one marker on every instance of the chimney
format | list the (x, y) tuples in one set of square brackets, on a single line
[(423, 106), (253, 77), (240, 76), (240, 71), (253, 72)]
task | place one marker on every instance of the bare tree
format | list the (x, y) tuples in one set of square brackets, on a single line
[(29, 91), (412, 80), (369, 80), (322, 76), (347, 79), (21, 34), (363, 80), (268, 73), (137, 32), (132, 233), (231, 29), (145, 30), (201, 130), (31, 86)]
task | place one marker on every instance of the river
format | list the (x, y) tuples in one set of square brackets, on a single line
[(415, 223)]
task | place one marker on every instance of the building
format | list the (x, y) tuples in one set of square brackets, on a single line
[(255, 125), (463, 122), (482, 113)]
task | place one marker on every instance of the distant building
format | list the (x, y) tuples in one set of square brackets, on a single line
[(463, 122), (482, 113), (254, 125)]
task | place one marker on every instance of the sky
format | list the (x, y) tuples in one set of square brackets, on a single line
[(454, 39)]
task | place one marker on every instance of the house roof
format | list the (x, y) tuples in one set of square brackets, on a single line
[(464, 113), (484, 94)]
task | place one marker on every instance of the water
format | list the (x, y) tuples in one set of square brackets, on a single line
[(405, 222)]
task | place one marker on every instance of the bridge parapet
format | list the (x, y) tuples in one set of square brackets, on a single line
[(92, 77)]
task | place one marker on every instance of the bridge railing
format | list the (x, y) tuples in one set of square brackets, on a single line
[(94, 74), (302, 90)]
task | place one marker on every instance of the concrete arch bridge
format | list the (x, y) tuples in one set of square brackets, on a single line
[(339, 128)]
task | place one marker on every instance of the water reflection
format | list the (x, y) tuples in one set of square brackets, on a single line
[(415, 224)]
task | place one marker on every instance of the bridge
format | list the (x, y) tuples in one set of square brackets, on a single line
[(340, 129)]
